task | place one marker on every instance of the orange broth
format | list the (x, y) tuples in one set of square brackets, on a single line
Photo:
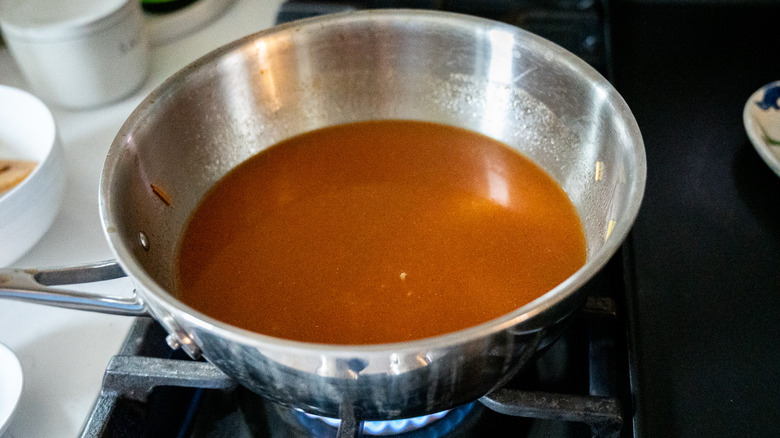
[(377, 232)]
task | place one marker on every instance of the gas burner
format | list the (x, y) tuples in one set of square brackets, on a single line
[(431, 423), (383, 428)]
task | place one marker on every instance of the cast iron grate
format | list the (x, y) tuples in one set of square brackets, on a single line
[(151, 390)]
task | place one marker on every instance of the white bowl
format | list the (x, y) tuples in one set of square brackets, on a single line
[(28, 131), (10, 386)]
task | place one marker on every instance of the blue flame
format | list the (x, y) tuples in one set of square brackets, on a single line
[(396, 427)]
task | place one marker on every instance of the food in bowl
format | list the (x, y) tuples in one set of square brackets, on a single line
[(377, 232), (13, 172), (32, 172)]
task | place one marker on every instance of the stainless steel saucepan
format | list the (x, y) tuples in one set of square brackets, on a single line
[(469, 72)]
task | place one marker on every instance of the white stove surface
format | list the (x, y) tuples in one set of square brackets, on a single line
[(64, 352)]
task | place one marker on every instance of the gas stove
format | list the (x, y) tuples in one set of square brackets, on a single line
[(701, 305), (580, 386)]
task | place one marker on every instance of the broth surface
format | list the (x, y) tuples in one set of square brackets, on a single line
[(377, 232)]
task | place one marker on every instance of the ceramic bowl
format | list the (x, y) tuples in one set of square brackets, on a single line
[(10, 386), (762, 123), (28, 132)]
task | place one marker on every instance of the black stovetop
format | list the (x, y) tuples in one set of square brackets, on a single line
[(706, 244)]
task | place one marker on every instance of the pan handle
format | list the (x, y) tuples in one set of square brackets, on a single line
[(37, 286)]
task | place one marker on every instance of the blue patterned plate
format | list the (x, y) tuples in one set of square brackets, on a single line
[(762, 123)]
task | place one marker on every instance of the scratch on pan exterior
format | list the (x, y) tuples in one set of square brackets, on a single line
[(161, 194)]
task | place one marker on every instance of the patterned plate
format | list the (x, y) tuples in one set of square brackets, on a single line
[(762, 123)]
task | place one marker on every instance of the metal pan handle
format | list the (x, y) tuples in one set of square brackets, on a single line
[(37, 286)]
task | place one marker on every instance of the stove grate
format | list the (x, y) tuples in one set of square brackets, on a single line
[(146, 370)]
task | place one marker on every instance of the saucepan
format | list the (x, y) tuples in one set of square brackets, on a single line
[(453, 69)]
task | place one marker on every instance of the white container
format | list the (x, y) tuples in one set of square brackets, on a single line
[(28, 132), (77, 53)]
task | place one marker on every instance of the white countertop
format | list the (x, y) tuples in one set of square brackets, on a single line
[(64, 352)]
